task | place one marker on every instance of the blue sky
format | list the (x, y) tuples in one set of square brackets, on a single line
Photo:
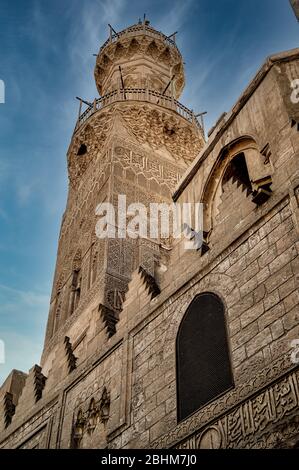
[(46, 60)]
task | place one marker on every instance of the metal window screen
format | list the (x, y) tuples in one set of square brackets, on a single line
[(203, 362)]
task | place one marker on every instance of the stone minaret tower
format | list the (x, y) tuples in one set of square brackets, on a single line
[(136, 140), (149, 345)]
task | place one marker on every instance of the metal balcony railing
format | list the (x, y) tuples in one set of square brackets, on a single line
[(137, 94)]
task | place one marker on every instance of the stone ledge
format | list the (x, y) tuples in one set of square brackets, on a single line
[(265, 378)]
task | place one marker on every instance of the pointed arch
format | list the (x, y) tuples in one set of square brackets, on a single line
[(134, 47), (119, 51), (256, 175), (166, 56), (202, 354), (106, 62), (153, 50), (77, 429)]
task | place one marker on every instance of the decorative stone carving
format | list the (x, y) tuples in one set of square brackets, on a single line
[(39, 382), (162, 129), (235, 400), (105, 406), (59, 336), (147, 170), (146, 44), (60, 282), (78, 161), (30, 434), (92, 416), (9, 408), (266, 152), (71, 359), (150, 282), (77, 260), (115, 298), (93, 137), (139, 144), (78, 429), (87, 421), (211, 439), (224, 171), (110, 318), (254, 422), (158, 128)]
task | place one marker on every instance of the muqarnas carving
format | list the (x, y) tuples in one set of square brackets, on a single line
[(86, 422)]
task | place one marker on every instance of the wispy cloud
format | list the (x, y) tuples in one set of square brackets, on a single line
[(175, 17), (28, 298), (22, 323), (3, 214), (21, 352), (49, 61), (89, 30), (24, 191), (4, 170)]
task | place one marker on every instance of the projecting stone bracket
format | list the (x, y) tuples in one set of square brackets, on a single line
[(39, 382), (110, 319), (205, 243), (261, 191), (150, 282), (71, 359), (9, 408)]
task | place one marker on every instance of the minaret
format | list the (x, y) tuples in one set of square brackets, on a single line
[(136, 140)]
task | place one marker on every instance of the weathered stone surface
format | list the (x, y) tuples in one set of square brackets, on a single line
[(121, 301), (259, 341)]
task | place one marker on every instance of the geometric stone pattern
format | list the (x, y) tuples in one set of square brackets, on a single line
[(251, 424), (146, 57), (262, 305), (113, 383)]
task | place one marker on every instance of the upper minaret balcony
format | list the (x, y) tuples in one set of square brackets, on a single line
[(140, 57)]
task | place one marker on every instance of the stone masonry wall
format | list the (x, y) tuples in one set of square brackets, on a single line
[(258, 282), (253, 267)]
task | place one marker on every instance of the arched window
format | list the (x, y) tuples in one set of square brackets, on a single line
[(82, 150), (239, 181), (203, 360)]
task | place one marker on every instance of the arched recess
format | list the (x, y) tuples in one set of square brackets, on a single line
[(258, 170), (57, 312), (76, 280), (202, 355), (78, 427)]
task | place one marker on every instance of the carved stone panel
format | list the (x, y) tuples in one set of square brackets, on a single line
[(260, 422)]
